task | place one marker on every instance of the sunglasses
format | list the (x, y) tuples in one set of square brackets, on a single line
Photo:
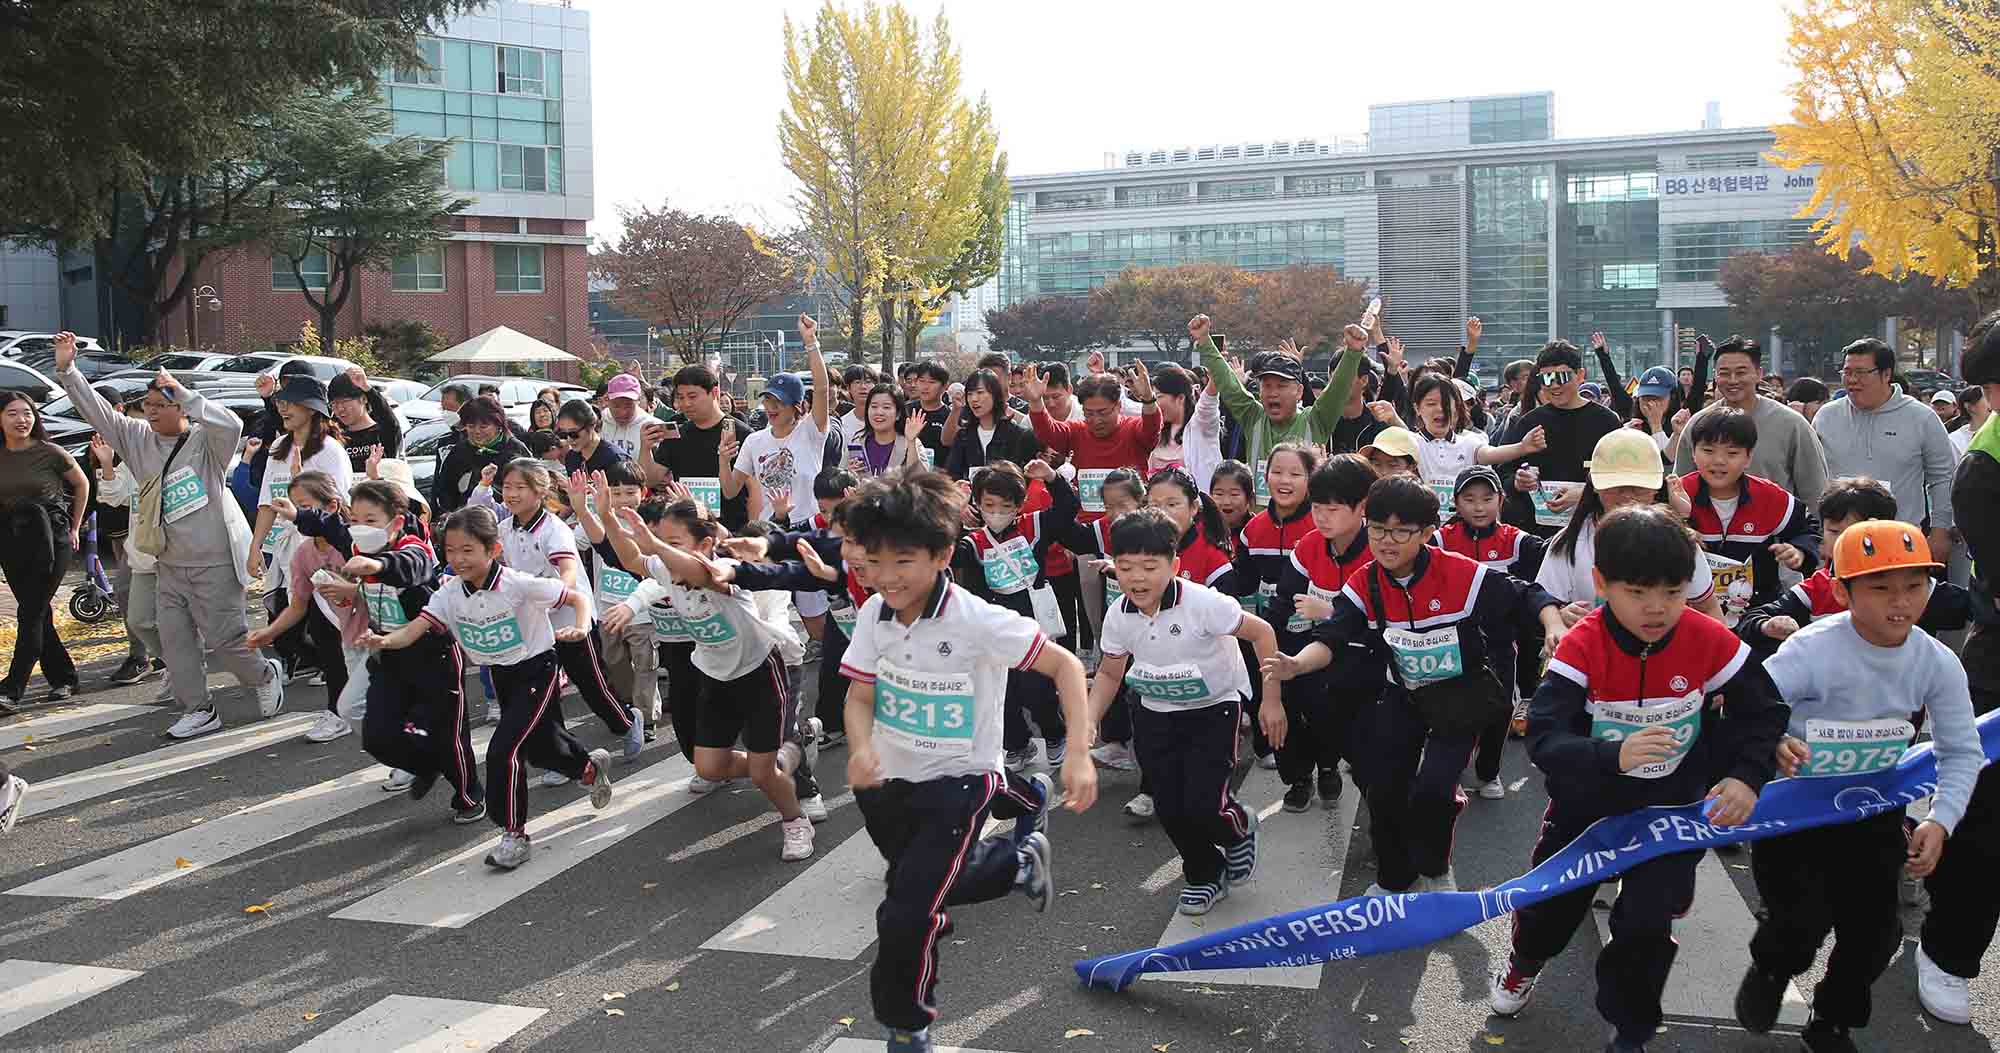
[(1557, 377), (567, 436)]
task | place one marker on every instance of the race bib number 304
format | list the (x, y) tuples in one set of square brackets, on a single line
[(1618, 721), (926, 713), (1427, 657), (1848, 747)]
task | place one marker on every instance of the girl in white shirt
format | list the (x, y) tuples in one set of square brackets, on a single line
[(500, 618), (307, 444)]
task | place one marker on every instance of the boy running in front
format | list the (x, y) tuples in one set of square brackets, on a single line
[(929, 664)]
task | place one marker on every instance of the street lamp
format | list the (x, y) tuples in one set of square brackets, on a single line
[(203, 296)]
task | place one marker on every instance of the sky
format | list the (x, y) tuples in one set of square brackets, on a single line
[(686, 95)]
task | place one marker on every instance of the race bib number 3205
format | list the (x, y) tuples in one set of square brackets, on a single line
[(928, 713)]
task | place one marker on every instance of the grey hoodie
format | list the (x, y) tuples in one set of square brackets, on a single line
[(1902, 443)]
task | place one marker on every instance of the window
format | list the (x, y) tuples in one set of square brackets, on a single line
[(431, 72), (520, 72), (312, 267), (419, 272), (517, 268), (523, 168)]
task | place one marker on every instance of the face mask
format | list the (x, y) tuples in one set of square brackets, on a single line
[(368, 538), (997, 522), (451, 418)]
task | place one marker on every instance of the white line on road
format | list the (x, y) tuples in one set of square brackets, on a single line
[(855, 1045), (92, 783), (81, 718), (32, 990), (404, 1024), (826, 911)]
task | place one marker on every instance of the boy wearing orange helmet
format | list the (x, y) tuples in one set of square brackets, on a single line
[(1854, 681)]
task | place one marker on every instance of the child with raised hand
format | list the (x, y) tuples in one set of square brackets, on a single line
[(500, 618), (1171, 642), (1749, 525), (1440, 620), (738, 651), (1853, 680), (629, 656), (1003, 562), (1626, 718), (924, 721)]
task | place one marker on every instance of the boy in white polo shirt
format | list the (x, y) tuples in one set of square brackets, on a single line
[(929, 663), (1172, 643)]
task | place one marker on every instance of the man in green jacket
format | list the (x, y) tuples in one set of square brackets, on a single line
[(1274, 414)]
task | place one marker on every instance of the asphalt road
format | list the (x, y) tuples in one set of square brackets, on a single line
[(681, 909)]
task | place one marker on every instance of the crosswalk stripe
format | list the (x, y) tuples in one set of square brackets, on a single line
[(50, 725), (157, 862), (407, 1024), (450, 895), (92, 783), (1715, 951), (31, 990), (855, 1045), (1294, 855), (826, 911)]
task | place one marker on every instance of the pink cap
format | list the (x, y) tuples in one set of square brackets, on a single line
[(623, 386)]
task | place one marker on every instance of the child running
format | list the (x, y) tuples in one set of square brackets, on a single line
[(928, 663), (1749, 525), (1853, 681), (500, 616), (1624, 720), (1170, 643), (629, 656)]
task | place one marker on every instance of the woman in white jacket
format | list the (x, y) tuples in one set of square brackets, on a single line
[(1201, 444)]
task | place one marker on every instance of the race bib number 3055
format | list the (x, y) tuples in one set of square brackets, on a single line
[(1172, 685), (1618, 721), (928, 713)]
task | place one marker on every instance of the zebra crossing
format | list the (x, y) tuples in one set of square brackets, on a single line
[(340, 918)]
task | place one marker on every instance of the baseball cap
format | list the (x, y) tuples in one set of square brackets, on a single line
[(1399, 442), (1590, 390), (786, 388), (1282, 366), (1656, 382), (1465, 391), (623, 386), (1626, 457), (304, 389), (1943, 395), (1476, 473), (398, 472)]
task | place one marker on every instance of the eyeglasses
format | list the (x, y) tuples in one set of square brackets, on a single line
[(567, 436), (1855, 374), (1557, 377), (1400, 535)]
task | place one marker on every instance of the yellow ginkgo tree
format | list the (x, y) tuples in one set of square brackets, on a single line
[(1898, 103)]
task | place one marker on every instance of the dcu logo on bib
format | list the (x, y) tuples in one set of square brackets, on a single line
[(1679, 684)]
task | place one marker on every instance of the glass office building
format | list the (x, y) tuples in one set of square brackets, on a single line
[(1450, 208)]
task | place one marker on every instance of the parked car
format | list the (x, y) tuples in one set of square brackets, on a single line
[(420, 447), (254, 362), (175, 360), (92, 364), (515, 394), (398, 390), (1925, 381), (21, 343), (16, 377)]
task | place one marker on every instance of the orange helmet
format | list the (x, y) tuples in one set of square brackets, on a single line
[(1876, 545)]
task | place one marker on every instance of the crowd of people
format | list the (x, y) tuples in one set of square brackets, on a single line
[(1011, 579)]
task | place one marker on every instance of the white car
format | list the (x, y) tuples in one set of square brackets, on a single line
[(15, 342), (516, 394)]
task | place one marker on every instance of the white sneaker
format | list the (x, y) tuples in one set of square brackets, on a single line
[(1140, 807), (798, 840), (327, 727), (1375, 889), (195, 723), (12, 792), (1445, 882), (813, 808), (549, 780), (1493, 791), (600, 779), (271, 693), (699, 786), (398, 781), (1115, 755), (493, 712), (165, 696), (1018, 760), (1943, 995), (512, 851), (1509, 991)]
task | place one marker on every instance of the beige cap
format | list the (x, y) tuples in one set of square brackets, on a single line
[(1396, 442), (1626, 457), (398, 472)]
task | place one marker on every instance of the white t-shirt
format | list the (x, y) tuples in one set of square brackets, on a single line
[(1568, 580), (785, 465), (504, 623), (1440, 460), (731, 636), (940, 682), (537, 548), (1183, 657), (625, 438), (282, 539)]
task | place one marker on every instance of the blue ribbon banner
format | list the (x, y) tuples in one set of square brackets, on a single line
[(1365, 925)]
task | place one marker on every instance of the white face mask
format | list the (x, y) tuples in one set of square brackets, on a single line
[(368, 538), (451, 418), (997, 522)]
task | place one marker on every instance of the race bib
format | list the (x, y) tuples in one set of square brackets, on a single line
[(1299, 623), (667, 625), (182, 494), (1735, 583), (1259, 600), (712, 631), (1618, 721), (1090, 488), (1849, 747), (1425, 657), (1112, 592), (278, 526), (707, 489), (929, 713), (494, 640), (385, 606), (1170, 685), (845, 617), (1541, 495), (614, 586), (1447, 505), (1260, 484), (1009, 565)]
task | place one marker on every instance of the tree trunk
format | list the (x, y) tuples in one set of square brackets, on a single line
[(886, 307), (857, 318)]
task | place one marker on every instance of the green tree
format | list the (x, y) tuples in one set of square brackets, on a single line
[(405, 347), (347, 190)]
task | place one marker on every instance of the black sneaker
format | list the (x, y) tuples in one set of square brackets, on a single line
[(1329, 787), (132, 671), (468, 816), (1299, 796), (1822, 1037), (61, 693), (1758, 999)]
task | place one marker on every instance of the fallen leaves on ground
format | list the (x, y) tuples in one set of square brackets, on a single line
[(260, 908), (614, 1012), (675, 986), (610, 996), (846, 1021), (182, 862), (1078, 1032), (309, 1017)]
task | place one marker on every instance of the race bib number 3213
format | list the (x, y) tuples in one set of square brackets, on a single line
[(928, 713)]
